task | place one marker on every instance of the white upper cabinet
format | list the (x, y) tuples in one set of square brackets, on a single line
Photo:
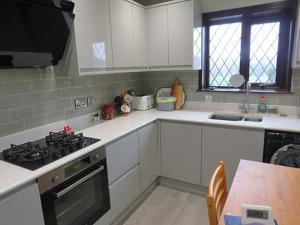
[(139, 36), (122, 33), (170, 33), (180, 26), (157, 31), (93, 35), (296, 63)]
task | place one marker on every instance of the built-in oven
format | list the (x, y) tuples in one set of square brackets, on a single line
[(77, 193)]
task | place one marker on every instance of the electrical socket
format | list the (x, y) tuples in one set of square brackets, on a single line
[(208, 98), (84, 103), (81, 103), (77, 103)]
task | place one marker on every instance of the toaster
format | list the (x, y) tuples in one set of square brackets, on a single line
[(142, 102)]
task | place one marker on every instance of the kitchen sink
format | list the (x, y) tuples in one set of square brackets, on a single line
[(253, 119), (228, 117), (236, 117)]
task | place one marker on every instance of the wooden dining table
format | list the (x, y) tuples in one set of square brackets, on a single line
[(258, 183)]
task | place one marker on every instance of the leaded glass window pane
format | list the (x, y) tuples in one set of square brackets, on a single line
[(263, 52), (225, 50), (197, 48)]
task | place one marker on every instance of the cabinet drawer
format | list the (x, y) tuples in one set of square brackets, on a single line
[(122, 193), (122, 155)]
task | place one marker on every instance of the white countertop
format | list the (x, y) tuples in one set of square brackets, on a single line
[(12, 177)]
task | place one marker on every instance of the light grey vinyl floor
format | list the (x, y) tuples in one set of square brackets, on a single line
[(166, 206)]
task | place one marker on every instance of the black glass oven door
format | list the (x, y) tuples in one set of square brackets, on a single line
[(80, 201)]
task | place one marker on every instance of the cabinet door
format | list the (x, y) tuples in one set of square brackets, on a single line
[(181, 151), (93, 35), (148, 146), (296, 63), (139, 36), (122, 33), (180, 23), (122, 155), (229, 145), (122, 193), (298, 50), (157, 25), (24, 208)]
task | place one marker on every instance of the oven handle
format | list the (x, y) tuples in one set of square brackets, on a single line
[(77, 183)]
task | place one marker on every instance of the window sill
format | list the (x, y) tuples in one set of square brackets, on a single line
[(237, 90)]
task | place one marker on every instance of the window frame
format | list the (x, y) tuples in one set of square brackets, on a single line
[(280, 11)]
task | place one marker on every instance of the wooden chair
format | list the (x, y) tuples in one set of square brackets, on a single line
[(217, 194)]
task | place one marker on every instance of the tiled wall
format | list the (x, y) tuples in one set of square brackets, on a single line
[(152, 81), (34, 97)]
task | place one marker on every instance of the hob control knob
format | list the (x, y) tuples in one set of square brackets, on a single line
[(97, 157), (55, 179)]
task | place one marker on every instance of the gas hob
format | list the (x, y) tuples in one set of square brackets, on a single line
[(34, 155)]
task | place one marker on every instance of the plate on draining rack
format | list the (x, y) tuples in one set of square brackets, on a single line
[(237, 80), (166, 92)]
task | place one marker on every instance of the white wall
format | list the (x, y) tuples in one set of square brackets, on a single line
[(216, 5)]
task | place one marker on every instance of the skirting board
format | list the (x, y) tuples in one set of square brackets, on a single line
[(182, 186)]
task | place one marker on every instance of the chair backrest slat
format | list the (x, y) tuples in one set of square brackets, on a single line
[(217, 194)]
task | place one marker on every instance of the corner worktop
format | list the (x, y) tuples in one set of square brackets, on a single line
[(12, 177)]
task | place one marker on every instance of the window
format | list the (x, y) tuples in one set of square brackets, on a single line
[(254, 41)]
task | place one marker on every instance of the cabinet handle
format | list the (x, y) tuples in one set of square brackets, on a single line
[(77, 183)]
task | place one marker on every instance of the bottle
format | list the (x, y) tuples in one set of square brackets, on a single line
[(262, 107)]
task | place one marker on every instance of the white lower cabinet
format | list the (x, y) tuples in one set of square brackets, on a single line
[(149, 154), (22, 208), (122, 193), (181, 151), (229, 145), (122, 155)]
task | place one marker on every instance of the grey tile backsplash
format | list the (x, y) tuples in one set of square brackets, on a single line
[(152, 81), (34, 97)]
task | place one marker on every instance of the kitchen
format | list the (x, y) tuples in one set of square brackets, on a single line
[(68, 61)]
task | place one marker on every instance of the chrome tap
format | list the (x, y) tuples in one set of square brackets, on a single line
[(246, 107)]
